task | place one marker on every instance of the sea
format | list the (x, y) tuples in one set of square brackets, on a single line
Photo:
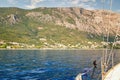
[(49, 64)]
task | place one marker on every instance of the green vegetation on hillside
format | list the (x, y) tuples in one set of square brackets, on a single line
[(28, 31)]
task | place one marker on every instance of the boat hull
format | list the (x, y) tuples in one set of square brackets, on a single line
[(113, 73)]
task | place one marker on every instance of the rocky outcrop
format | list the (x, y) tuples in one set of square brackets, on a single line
[(12, 19), (9, 19)]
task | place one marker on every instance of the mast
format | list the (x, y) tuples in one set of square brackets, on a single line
[(105, 56), (103, 60)]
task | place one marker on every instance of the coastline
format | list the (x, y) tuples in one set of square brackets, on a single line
[(50, 49)]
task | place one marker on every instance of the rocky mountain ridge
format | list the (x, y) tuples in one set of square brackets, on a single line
[(93, 21), (64, 26), (96, 21)]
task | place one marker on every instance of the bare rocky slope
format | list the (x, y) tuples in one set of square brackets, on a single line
[(93, 21)]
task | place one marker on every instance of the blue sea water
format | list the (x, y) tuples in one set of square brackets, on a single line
[(47, 64)]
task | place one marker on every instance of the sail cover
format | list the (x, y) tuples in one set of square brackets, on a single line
[(84, 75)]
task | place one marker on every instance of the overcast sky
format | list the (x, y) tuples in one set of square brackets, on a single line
[(87, 4)]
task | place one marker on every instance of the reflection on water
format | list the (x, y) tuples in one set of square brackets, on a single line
[(46, 64)]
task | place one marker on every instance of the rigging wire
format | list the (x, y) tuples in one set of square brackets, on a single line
[(107, 37), (111, 54), (103, 1), (106, 56)]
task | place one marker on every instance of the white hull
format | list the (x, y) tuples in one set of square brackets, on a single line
[(114, 73)]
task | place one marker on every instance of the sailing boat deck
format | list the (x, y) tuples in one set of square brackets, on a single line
[(113, 73)]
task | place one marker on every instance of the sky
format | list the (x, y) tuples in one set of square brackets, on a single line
[(87, 4)]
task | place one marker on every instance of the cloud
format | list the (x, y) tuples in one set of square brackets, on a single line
[(88, 0), (63, 3), (31, 6), (84, 3), (75, 2), (13, 2), (86, 6), (33, 3)]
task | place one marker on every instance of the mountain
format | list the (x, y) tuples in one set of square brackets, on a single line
[(56, 27)]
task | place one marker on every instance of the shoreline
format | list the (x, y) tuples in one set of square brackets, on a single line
[(53, 49)]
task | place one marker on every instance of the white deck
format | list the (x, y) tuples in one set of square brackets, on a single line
[(114, 73)]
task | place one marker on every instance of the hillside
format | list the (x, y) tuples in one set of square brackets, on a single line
[(55, 27)]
